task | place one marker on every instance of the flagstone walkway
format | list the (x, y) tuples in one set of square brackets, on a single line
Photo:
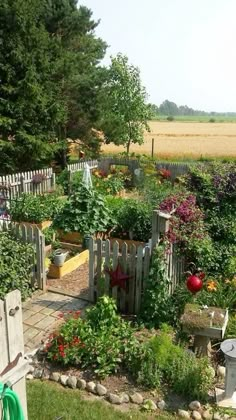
[(41, 316)]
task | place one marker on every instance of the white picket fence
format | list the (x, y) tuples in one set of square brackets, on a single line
[(33, 235), (13, 366), (36, 182), (135, 262), (79, 166)]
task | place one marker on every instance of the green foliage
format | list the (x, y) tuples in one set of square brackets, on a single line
[(124, 111), (101, 341), (157, 306), (231, 327), (49, 234), (50, 79), (133, 221), (15, 265), (170, 118), (35, 208), (160, 360), (85, 211)]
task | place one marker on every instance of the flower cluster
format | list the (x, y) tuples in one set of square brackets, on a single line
[(164, 173)]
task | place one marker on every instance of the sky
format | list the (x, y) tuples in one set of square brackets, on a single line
[(185, 49)]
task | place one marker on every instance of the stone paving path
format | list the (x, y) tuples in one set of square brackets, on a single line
[(41, 316)]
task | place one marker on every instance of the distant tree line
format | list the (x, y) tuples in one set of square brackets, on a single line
[(169, 108)]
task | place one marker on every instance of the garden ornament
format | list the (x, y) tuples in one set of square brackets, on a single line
[(118, 278), (194, 280), (227, 397), (87, 180)]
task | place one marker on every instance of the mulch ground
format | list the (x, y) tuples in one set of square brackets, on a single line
[(77, 282)]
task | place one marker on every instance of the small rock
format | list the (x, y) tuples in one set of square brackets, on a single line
[(101, 390), (72, 382), (149, 405), (221, 371), (64, 379), (55, 376), (91, 387), (216, 416), (38, 373), (207, 415), (136, 398), (115, 399), (81, 383), (226, 416), (196, 415), (29, 377), (31, 369), (125, 398), (161, 405), (183, 414), (194, 405)]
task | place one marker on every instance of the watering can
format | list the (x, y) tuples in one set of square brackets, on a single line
[(59, 257)]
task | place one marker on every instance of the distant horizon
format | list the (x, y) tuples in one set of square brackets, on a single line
[(184, 50), (197, 110)]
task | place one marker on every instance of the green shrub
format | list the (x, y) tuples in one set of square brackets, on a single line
[(134, 218), (161, 361), (99, 342), (35, 208), (156, 307), (15, 265), (170, 118), (85, 211)]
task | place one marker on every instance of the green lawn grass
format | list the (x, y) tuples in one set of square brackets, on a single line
[(50, 401)]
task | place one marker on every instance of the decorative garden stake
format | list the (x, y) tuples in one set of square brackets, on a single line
[(118, 278)]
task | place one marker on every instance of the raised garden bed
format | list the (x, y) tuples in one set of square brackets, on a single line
[(41, 225), (70, 237), (69, 265)]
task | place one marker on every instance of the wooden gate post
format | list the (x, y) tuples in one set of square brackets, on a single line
[(12, 347)]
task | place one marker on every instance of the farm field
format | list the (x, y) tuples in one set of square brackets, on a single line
[(186, 140)]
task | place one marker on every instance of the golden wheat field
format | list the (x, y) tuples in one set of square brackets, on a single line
[(186, 139)]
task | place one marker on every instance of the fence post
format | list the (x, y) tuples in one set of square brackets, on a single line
[(12, 346), (22, 183), (53, 181)]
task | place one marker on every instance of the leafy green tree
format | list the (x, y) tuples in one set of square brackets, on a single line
[(49, 80), (125, 113)]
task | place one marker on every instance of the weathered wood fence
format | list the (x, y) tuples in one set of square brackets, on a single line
[(79, 166), (135, 262), (176, 169), (12, 347), (33, 235), (35, 182)]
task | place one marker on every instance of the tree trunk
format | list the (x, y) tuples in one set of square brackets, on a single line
[(128, 147)]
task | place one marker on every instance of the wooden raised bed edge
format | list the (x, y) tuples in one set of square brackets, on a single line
[(71, 237), (69, 266), (42, 225)]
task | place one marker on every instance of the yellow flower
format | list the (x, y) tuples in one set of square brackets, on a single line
[(109, 176), (211, 286), (108, 189)]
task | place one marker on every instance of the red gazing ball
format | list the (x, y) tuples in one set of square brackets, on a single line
[(194, 283)]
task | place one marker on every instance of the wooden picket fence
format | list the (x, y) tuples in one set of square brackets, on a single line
[(134, 261), (35, 182), (33, 235), (176, 169), (13, 366), (79, 166)]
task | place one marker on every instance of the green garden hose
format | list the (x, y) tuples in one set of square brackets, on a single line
[(11, 407)]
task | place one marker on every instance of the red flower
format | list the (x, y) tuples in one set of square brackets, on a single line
[(62, 354), (61, 315)]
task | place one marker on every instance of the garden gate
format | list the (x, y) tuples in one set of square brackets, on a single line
[(33, 235), (135, 262), (13, 366)]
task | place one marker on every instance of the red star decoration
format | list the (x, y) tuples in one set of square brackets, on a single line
[(118, 278)]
